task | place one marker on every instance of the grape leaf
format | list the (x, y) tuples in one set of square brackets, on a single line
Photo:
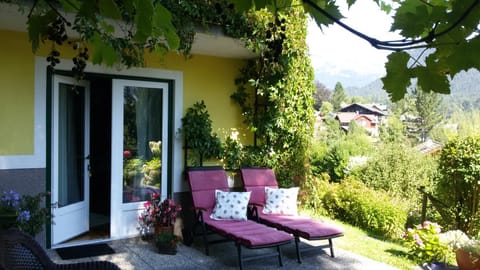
[(465, 56), (163, 26), (70, 5), (109, 9), (430, 79), (37, 26), (398, 75), (412, 19), (103, 53), (319, 17), (143, 20)]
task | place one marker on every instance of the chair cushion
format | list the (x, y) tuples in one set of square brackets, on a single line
[(230, 205), (303, 226), (281, 201)]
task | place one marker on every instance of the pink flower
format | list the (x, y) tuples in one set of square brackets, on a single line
[(127, 154)]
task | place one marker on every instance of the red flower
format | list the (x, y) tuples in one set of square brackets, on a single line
[(127, 154)]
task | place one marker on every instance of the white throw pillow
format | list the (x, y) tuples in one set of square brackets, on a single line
[(230, 205), (281, 201)]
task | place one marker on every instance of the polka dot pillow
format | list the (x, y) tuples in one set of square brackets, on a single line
[(230, 205), (281, 201)]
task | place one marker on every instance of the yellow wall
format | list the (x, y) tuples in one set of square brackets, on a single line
[(204, 78), (16, 95), (210, 79)]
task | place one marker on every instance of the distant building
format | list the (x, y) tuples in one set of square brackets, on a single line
[(367, 116)]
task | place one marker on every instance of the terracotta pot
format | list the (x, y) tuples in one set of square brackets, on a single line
[(160, 229), (465, 261)]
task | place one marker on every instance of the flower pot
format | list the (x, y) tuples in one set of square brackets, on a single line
[(162, 229), (167, 249), (467, 261)]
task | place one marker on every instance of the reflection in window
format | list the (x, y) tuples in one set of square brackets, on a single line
[(142, 133)]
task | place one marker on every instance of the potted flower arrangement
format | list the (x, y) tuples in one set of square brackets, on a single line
[(467, 251), (157, 219), (24, 212), (426, 245)]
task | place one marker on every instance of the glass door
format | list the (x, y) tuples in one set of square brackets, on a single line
[(70, 154), (139, 149)]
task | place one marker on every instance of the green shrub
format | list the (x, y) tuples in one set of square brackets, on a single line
[(458, 188), (399, 170), (372, 210)]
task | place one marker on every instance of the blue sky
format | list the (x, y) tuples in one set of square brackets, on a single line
[(339, 56)]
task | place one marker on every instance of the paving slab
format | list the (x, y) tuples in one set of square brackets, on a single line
[(136, 254)]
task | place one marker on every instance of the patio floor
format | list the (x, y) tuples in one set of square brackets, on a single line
[(139, 255)]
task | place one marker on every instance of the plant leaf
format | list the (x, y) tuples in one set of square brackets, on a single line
[(109, 9), (398, 75)]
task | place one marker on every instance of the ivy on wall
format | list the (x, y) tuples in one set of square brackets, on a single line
[(275, 93)]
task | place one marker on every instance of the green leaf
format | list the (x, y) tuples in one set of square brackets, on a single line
[(412, 19), (319, 17), (37, 26), (103, 53), (241, 5), (70, 5), (398, 75), (109, 9), (431, 79), (163, 26), (143, 20), (465, 56)]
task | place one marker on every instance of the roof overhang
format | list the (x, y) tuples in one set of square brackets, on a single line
[(212, 42)]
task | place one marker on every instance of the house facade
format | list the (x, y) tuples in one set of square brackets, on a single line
[(88, 142), (367, 116)]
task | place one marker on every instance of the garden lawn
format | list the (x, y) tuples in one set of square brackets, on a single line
[(358, 241)]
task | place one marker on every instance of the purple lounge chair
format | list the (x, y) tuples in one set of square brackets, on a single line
[(204, 181), (255, 180)]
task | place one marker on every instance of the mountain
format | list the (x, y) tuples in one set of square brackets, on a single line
[(465, 90)]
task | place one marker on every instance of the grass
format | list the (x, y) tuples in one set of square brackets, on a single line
[(359, 242)]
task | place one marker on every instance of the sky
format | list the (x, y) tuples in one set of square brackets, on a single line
[(339, 56)]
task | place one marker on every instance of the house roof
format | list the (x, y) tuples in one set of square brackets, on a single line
[(347, 117), (211, 42), (373, 109), (429, 147)]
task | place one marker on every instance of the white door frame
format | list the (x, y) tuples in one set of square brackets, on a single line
[(71, 220), (175, 76), (123, 218)]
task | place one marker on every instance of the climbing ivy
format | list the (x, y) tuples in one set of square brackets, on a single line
[(275, 93)]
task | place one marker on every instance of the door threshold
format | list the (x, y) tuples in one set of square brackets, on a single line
[(81, 243)]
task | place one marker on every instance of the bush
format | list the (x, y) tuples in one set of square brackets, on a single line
[(458, 188), (353, 202), (425, 244), (398, 170)]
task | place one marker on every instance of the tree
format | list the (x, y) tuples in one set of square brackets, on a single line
[(427, 106), (339, 96), (325, 108), (440, 38), (321, 95)]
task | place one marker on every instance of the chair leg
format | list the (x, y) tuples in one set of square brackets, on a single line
[(330, 242), (297, 248), (279, 250), (239, 253), (205, 240)]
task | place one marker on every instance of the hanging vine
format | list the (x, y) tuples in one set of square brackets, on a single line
[(275, 93)]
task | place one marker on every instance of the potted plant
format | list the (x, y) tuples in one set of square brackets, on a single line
[(426, 245), (166, 242), (232, 158), (197, 132), (157, 216), (24, 212)]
